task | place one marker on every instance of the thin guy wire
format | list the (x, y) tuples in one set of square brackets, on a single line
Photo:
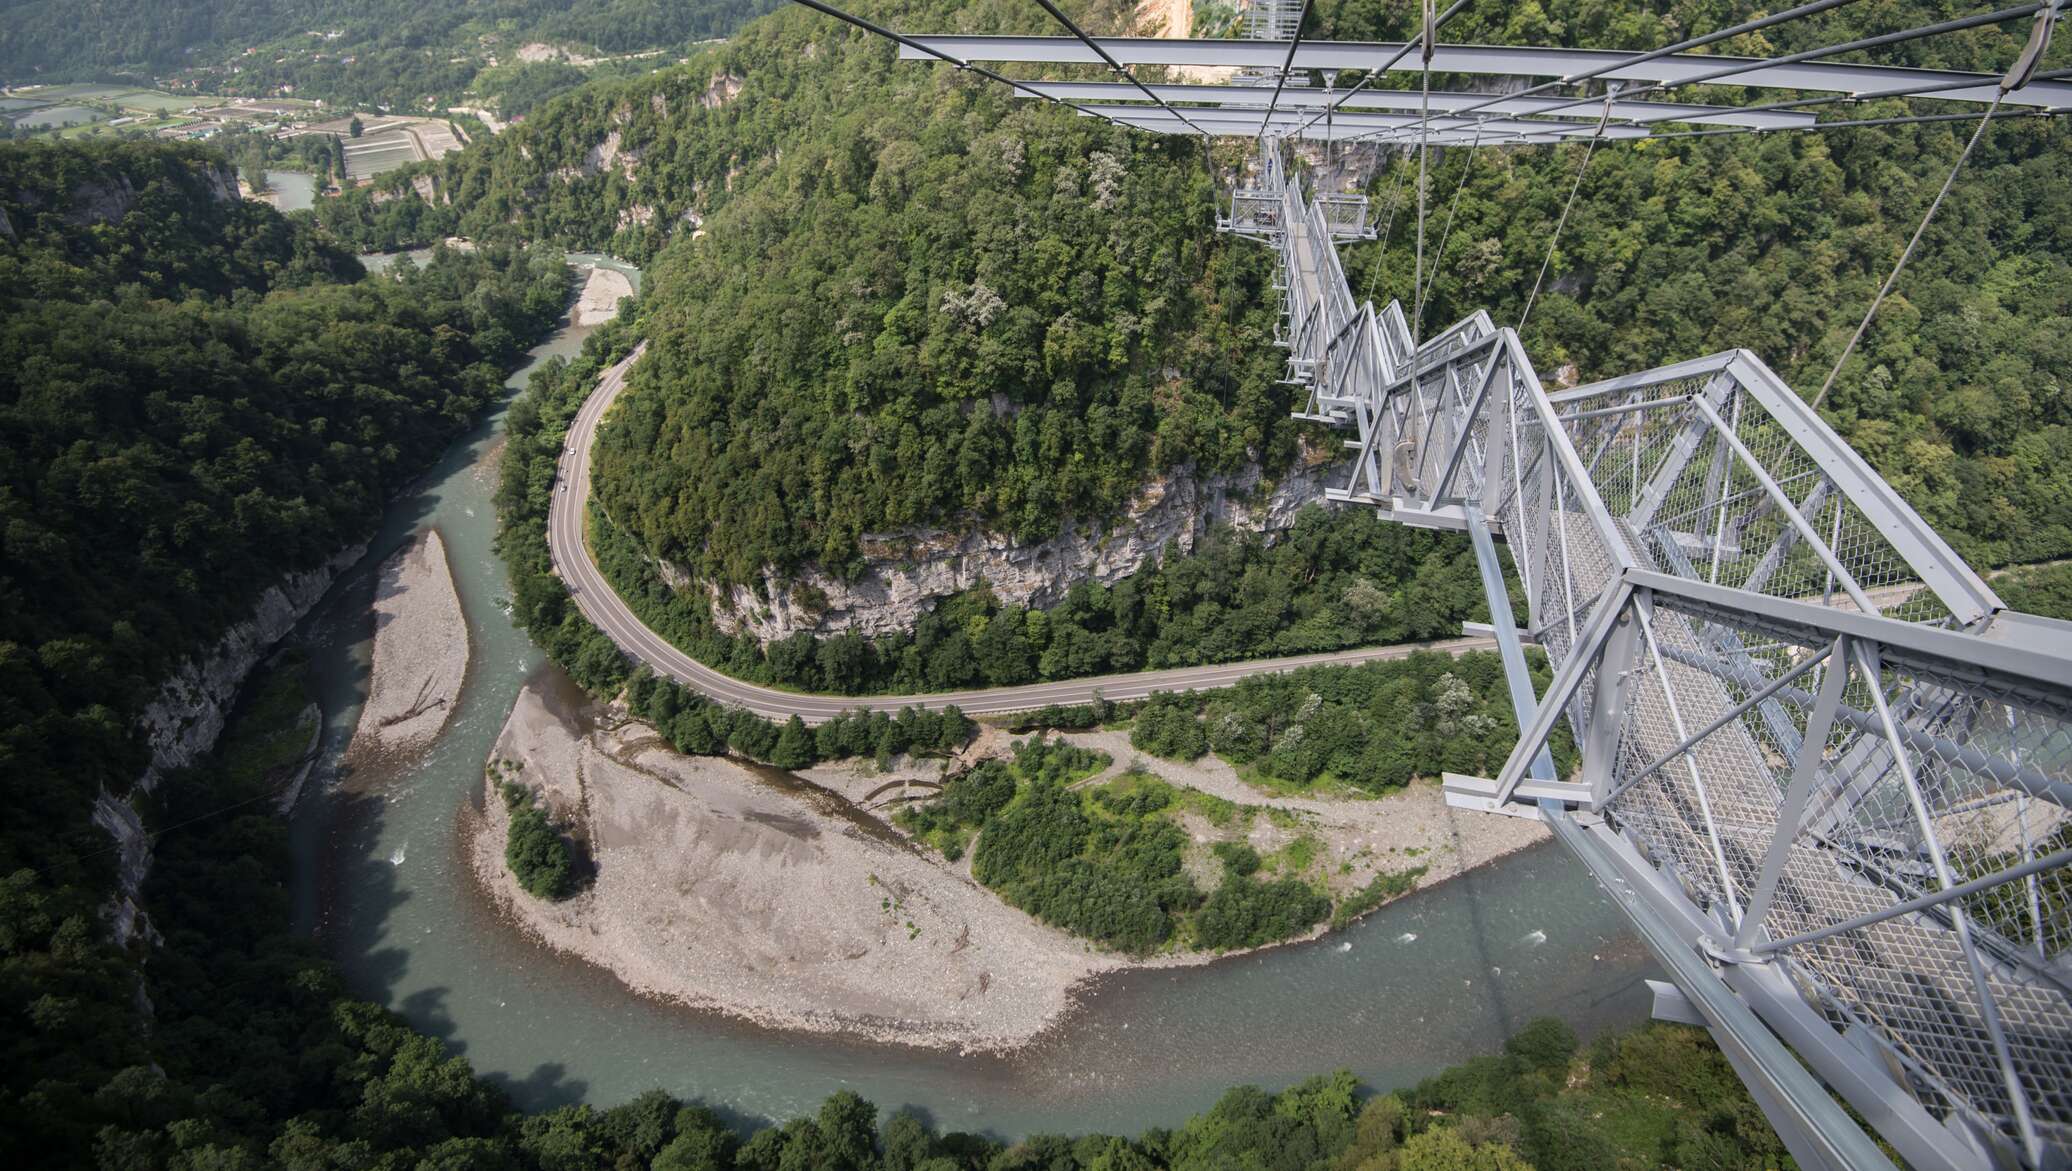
[(1803, 10), (1879, 41), (1908, 252), (1374, 274), (1424, 121), (1287, 63), (1854, 123), (1117, 66), (1565, 209), (1446, 233), (1384, 67), (938, 54), (1752, 66)]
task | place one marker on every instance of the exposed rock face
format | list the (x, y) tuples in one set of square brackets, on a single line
[(185, 719), (106, 200), (910, 572), (725, 87)]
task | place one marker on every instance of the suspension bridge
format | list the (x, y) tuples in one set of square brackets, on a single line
[(1824, 769)]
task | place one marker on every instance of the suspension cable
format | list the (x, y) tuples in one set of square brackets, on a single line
[(1287, 63), (1907, 252), (1378, 70), (1073, 27), (938, 54), (1566, 208), (1907, 94), (1374, 274), (1749, 26), (2018, 75), (1854, 123), (1446, 233), (1424, 122), (1737, 68)]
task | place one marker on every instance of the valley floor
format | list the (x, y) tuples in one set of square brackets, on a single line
[(789, 901)]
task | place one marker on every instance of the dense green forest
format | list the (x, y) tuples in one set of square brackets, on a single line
[(384, 52), (1369, 727), (197, 397), (195, 401), (917, 303)]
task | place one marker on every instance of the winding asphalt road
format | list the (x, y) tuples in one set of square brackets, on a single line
[(604, 608)]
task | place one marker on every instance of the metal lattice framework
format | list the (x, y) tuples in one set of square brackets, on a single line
[(1823, 769), (1813, 739)]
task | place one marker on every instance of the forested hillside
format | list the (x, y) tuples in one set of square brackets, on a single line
[(917, 297), (196, 397), (920, 301), (388, 52)]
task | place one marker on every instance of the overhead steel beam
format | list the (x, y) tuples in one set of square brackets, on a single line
[(1252, 97), (1498, 60), (1229, 120)]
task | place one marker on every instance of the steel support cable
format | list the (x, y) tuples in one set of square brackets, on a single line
[(1877, 42), (1907, 253), (1907, 94), (1446, 233), (1561, 223), (2019, 75), (1378, 70), (938, 54), (1374, 274), (1287, 63), (1073, 27), (1855, 123), (1424, 138)]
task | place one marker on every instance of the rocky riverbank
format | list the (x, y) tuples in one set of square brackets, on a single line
[(787, 900), (599, 301), (748, 892), (420, 652)]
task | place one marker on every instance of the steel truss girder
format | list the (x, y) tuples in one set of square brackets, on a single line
[(1693, 627), (1245, 97), (1487, 60)]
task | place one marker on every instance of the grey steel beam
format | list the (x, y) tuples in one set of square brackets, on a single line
[(1960, 653), (1498, 60), (1307, 99), (1364, 121), (1814, 1127), (1804, 771), (1524, 704), (1344, 126), (1969, 598)]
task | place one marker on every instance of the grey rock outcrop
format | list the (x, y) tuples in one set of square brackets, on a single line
[(909, 572), (188, 715)]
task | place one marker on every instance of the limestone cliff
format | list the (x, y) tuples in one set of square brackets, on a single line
[(184, 721), (909, 572)]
